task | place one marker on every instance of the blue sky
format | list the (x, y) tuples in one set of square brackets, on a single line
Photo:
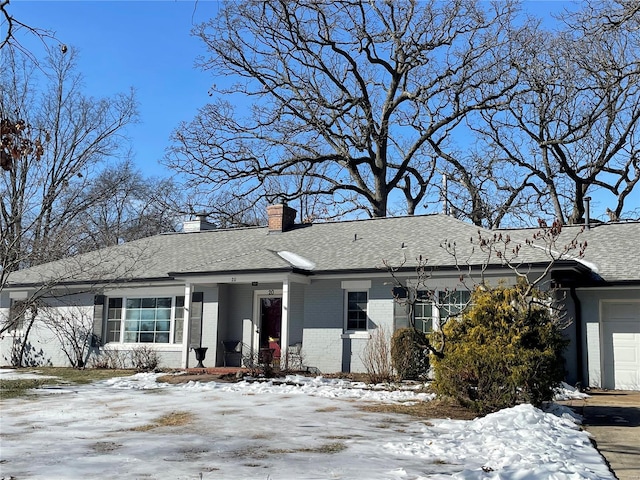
[(146, 45)]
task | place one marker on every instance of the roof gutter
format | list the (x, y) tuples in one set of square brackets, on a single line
[(88, 285)]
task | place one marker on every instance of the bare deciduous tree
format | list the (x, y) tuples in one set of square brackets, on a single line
[(350, 94), (9, 27), (574, 128), (72, 326), (122, 205), (42, 187), (52, 158)]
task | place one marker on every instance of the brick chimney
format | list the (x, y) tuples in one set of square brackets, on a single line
[(281, 217)]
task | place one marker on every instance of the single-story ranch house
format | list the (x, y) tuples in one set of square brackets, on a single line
[(319, 290)]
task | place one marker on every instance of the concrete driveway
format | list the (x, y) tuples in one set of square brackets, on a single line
[(613, 419)]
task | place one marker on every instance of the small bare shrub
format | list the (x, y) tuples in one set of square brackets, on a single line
[(259, 364), (376, 357), (109, 359), (144, 358)]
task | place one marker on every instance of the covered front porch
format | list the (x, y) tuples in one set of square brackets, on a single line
[(244, 319)]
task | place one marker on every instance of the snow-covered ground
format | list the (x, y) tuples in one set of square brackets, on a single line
[(302, 429)]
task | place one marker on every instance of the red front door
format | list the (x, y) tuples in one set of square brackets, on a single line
[(270, 325)]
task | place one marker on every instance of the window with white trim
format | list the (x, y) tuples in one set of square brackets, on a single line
[(114, 319), (423, 313), (145, 319), (452, 303), (179, 320), (356, 311), (429, 313)]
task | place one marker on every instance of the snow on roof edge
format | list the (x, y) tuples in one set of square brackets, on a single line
[(296, 260)]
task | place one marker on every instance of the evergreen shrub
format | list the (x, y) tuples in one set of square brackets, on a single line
[(503, 351), (409, 354)]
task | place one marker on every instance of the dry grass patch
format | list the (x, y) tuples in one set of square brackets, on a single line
[(173, 419), (440, 408), (326, 409), (230, 411), (330, 448), (257, 453), (327, 448), (105, 447), (15, 388)]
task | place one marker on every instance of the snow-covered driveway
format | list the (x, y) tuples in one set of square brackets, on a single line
[(314, 430)]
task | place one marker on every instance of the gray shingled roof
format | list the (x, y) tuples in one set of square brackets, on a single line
[(359, 245), (613, 249)]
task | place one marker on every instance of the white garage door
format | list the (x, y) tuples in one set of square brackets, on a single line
[(621, 345)]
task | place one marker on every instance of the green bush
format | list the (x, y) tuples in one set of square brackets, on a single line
[(505, 350), (409, 354)]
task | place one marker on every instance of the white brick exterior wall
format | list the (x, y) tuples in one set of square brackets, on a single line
[(325, 347), (43, 348)]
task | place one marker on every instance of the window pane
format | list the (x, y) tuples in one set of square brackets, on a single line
[(113, 331), (146, 337), (177, 334), (131, 337), (133, 302), (114, 313), (425, 325), (147, 326), (164, 302), (150, 319), (131, 326), (162, 337), (178, 320), (148, 303), (115, 302), (356, 310), (163, 326)]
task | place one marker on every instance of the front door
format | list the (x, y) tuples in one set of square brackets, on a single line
[(270, 328)]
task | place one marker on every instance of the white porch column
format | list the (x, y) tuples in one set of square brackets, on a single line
[(284, 329), (186, 328)]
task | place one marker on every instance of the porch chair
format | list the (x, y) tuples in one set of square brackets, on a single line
[(231, 348), (294, 356)]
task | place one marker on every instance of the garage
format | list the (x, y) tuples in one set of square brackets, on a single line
[(621, 345)]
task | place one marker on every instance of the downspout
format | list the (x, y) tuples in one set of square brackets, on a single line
[(578, 313)]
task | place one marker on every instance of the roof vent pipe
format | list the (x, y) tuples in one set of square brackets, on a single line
[(587, 213), (445, 195)]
